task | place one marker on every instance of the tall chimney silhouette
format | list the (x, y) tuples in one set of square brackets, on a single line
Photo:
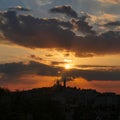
[(64, 82)]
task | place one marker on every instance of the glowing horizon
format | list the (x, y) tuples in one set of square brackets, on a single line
[(39, 38)]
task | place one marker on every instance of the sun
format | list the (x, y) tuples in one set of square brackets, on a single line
[(67, 66)]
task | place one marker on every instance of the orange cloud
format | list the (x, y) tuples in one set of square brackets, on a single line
[(36, 81), (110, 1), (104, 18), (100, 86), (80, 83), (109, 86), (30, 82)]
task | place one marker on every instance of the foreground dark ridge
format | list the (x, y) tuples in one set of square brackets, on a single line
[(59, 103)]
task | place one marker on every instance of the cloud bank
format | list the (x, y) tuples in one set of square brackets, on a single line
[(32, 32), (13, 72)]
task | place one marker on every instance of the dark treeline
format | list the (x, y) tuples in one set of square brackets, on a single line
[(58, 104)]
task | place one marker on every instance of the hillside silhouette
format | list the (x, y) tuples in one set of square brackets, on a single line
[(58, 103)]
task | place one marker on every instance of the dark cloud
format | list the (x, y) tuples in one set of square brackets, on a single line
[(32, 32), (36, 57), (116, 23), (28, 68), (83, 26), (49, 55), (12, 72), (65, 9), (98, 67), (19, 8), (66, 54), (57, 63), (107, 75), (84, 16), (106, 43)]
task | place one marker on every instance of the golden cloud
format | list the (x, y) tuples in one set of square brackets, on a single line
[(110, 1)]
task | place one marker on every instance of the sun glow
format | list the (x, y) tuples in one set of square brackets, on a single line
[(67, 66), (68, 63)]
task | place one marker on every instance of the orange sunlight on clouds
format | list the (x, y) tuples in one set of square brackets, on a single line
[(36, 81), (80, 83)]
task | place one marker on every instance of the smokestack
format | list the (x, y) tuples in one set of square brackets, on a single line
[(64, 82)]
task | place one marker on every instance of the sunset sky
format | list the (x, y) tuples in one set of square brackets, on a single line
[(40, 40)]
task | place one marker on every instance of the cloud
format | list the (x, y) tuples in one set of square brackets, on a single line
[(110, 1), (103, 18), (106, 43), (20, 8), (66, 54), (49, 55), (28, 68), (34, 33), (11, 72), (57, 63), (115, 23), (36, 57), (65, 9), (83, 26), (45, 2), (15, 72), (102, 75), (98, 67), (101, 22)]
